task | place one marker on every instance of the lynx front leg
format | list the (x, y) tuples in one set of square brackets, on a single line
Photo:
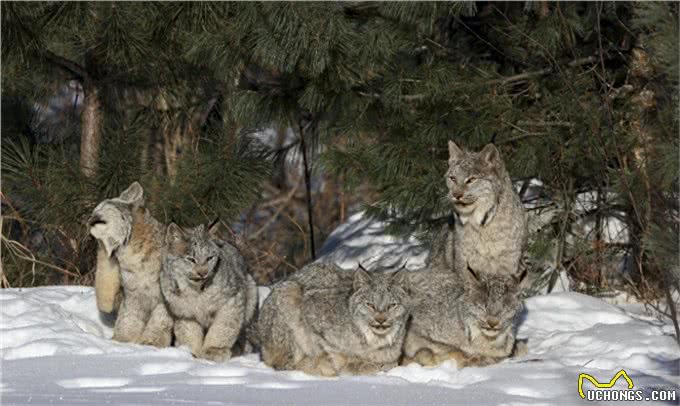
[(224, 331), (190, 334), (129, 323), (158, 330)]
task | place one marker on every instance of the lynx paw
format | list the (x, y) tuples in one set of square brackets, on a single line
[(425, 357), (159, 340), (521, 349), (217, 354)]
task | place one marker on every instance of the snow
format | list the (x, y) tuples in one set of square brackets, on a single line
[(55, 349), (362, 240)]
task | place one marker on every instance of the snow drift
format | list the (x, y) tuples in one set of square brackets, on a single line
[(55, 349)]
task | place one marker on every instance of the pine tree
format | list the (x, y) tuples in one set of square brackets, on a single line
[(147, 113)]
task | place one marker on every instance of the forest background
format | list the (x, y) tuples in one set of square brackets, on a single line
[(282, 119)]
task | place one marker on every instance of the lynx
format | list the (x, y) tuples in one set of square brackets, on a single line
[(209, 292), (491, 231), (326, 321), (128, 268), (475, 323)]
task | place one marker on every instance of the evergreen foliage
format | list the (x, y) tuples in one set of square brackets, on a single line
[(581, 95)]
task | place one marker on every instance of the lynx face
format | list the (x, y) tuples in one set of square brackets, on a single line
[(492, 302), (192, 256), (379, 304), (111, 220), (472, 179)]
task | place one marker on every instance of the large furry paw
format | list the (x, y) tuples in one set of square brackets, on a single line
[(156, 338), (160, 340), (124, 338), (321, 365), (217, 354), (520, 349), (424, 357)]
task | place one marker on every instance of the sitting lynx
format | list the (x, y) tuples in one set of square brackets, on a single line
[(491, 232), (128, 268), (326, 321), (208, 291), (475, 325)]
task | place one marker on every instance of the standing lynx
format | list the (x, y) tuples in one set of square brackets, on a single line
[(128, 268), (491, 231), (209, 292), (326, 321)]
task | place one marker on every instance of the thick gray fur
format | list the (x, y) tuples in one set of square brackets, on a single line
[(326, 321), (209, 292), (473, 322), (491, 230), (130, 241)]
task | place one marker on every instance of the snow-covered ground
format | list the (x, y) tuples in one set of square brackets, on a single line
[(55, 349)]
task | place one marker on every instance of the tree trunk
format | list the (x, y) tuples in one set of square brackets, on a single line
[(91, 130)]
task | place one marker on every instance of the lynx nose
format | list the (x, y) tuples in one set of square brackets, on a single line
[(380, 318), (202, 272), (493, 322), (458, 195)]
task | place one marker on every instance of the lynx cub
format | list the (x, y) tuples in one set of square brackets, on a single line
[(129, 257), (326, 321), (208, 291), (475, 325), (491, 231)]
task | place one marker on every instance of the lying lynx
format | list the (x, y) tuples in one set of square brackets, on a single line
[(491, 232), (475, 325), (326, 321), (128, 268), (209, 292)]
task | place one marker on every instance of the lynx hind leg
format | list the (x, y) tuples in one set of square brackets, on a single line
[(284, 340), (130, 323), (158, 330), (190, 334), (107, 282)]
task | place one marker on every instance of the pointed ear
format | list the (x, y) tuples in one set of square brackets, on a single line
[(400, 278), (520, 279), (173, 234), (491, 155), (216, 229), (361, 279), (134, 194), (455, 153)]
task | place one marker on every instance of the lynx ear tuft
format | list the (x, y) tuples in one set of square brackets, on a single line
[(455, 153), (361, 279), (134, 194), (491, 155)]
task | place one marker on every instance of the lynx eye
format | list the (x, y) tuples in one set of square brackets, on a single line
[(191, 259), (370, 305), (470, 179), (452, 179), (391, 306), (210, 258)]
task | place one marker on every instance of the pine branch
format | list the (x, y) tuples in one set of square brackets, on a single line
[(68, 65)]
